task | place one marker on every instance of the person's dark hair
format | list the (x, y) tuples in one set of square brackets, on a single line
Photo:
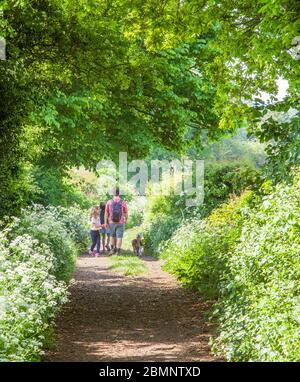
[(102, 204), (117, 191)]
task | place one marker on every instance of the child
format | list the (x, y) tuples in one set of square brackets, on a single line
[(95, 231), (104, 231)]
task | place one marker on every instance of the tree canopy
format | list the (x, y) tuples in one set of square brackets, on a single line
[(255, 43), (84, 80)]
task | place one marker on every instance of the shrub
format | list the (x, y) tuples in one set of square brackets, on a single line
[(37, 255), (260, 316), (62, 229), (159, 230), (51, 187), (197, 253), (223, 179), (75, 221), (247, 255), (239, 147), (29, 296), (43, 224), (165, 213), (136, 209)]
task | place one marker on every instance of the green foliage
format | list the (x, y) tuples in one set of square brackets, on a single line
[(197, 252), (75, 84), (16, 186), (37, 254), (281, 133), (75, 221), (127, 264), (85, 182), (158, 230), (165, 213), (136, 209), (85, 80), (238, 147), (249, 45), (223, 179), (51, 188), (23, 84), (246, 254), (80, 76), (260, 308), (30, 296), (62, 230)]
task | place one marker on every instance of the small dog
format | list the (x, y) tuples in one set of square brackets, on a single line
[(137, 245)]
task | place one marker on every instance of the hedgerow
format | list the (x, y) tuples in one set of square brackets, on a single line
[(197, 253), (260, 310), (62, 229), (246, 255), (158, 230), (165, 213), (37, 255)]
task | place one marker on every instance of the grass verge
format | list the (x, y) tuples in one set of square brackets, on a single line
[(128, 264)]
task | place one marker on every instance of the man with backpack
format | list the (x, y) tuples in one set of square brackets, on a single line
[(116, 215)]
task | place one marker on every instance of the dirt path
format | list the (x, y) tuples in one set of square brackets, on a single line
[(116, 318)]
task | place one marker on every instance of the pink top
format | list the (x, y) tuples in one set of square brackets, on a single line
[(95, 223), (109, 207)]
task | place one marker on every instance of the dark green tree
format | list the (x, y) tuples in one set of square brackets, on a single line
[(78, 87)]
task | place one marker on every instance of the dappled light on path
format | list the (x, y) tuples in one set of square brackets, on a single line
[(112, 317)]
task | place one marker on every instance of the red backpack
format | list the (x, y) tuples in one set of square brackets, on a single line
[(116, 211)]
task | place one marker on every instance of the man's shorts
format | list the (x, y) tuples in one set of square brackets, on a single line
[(117, 230)]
